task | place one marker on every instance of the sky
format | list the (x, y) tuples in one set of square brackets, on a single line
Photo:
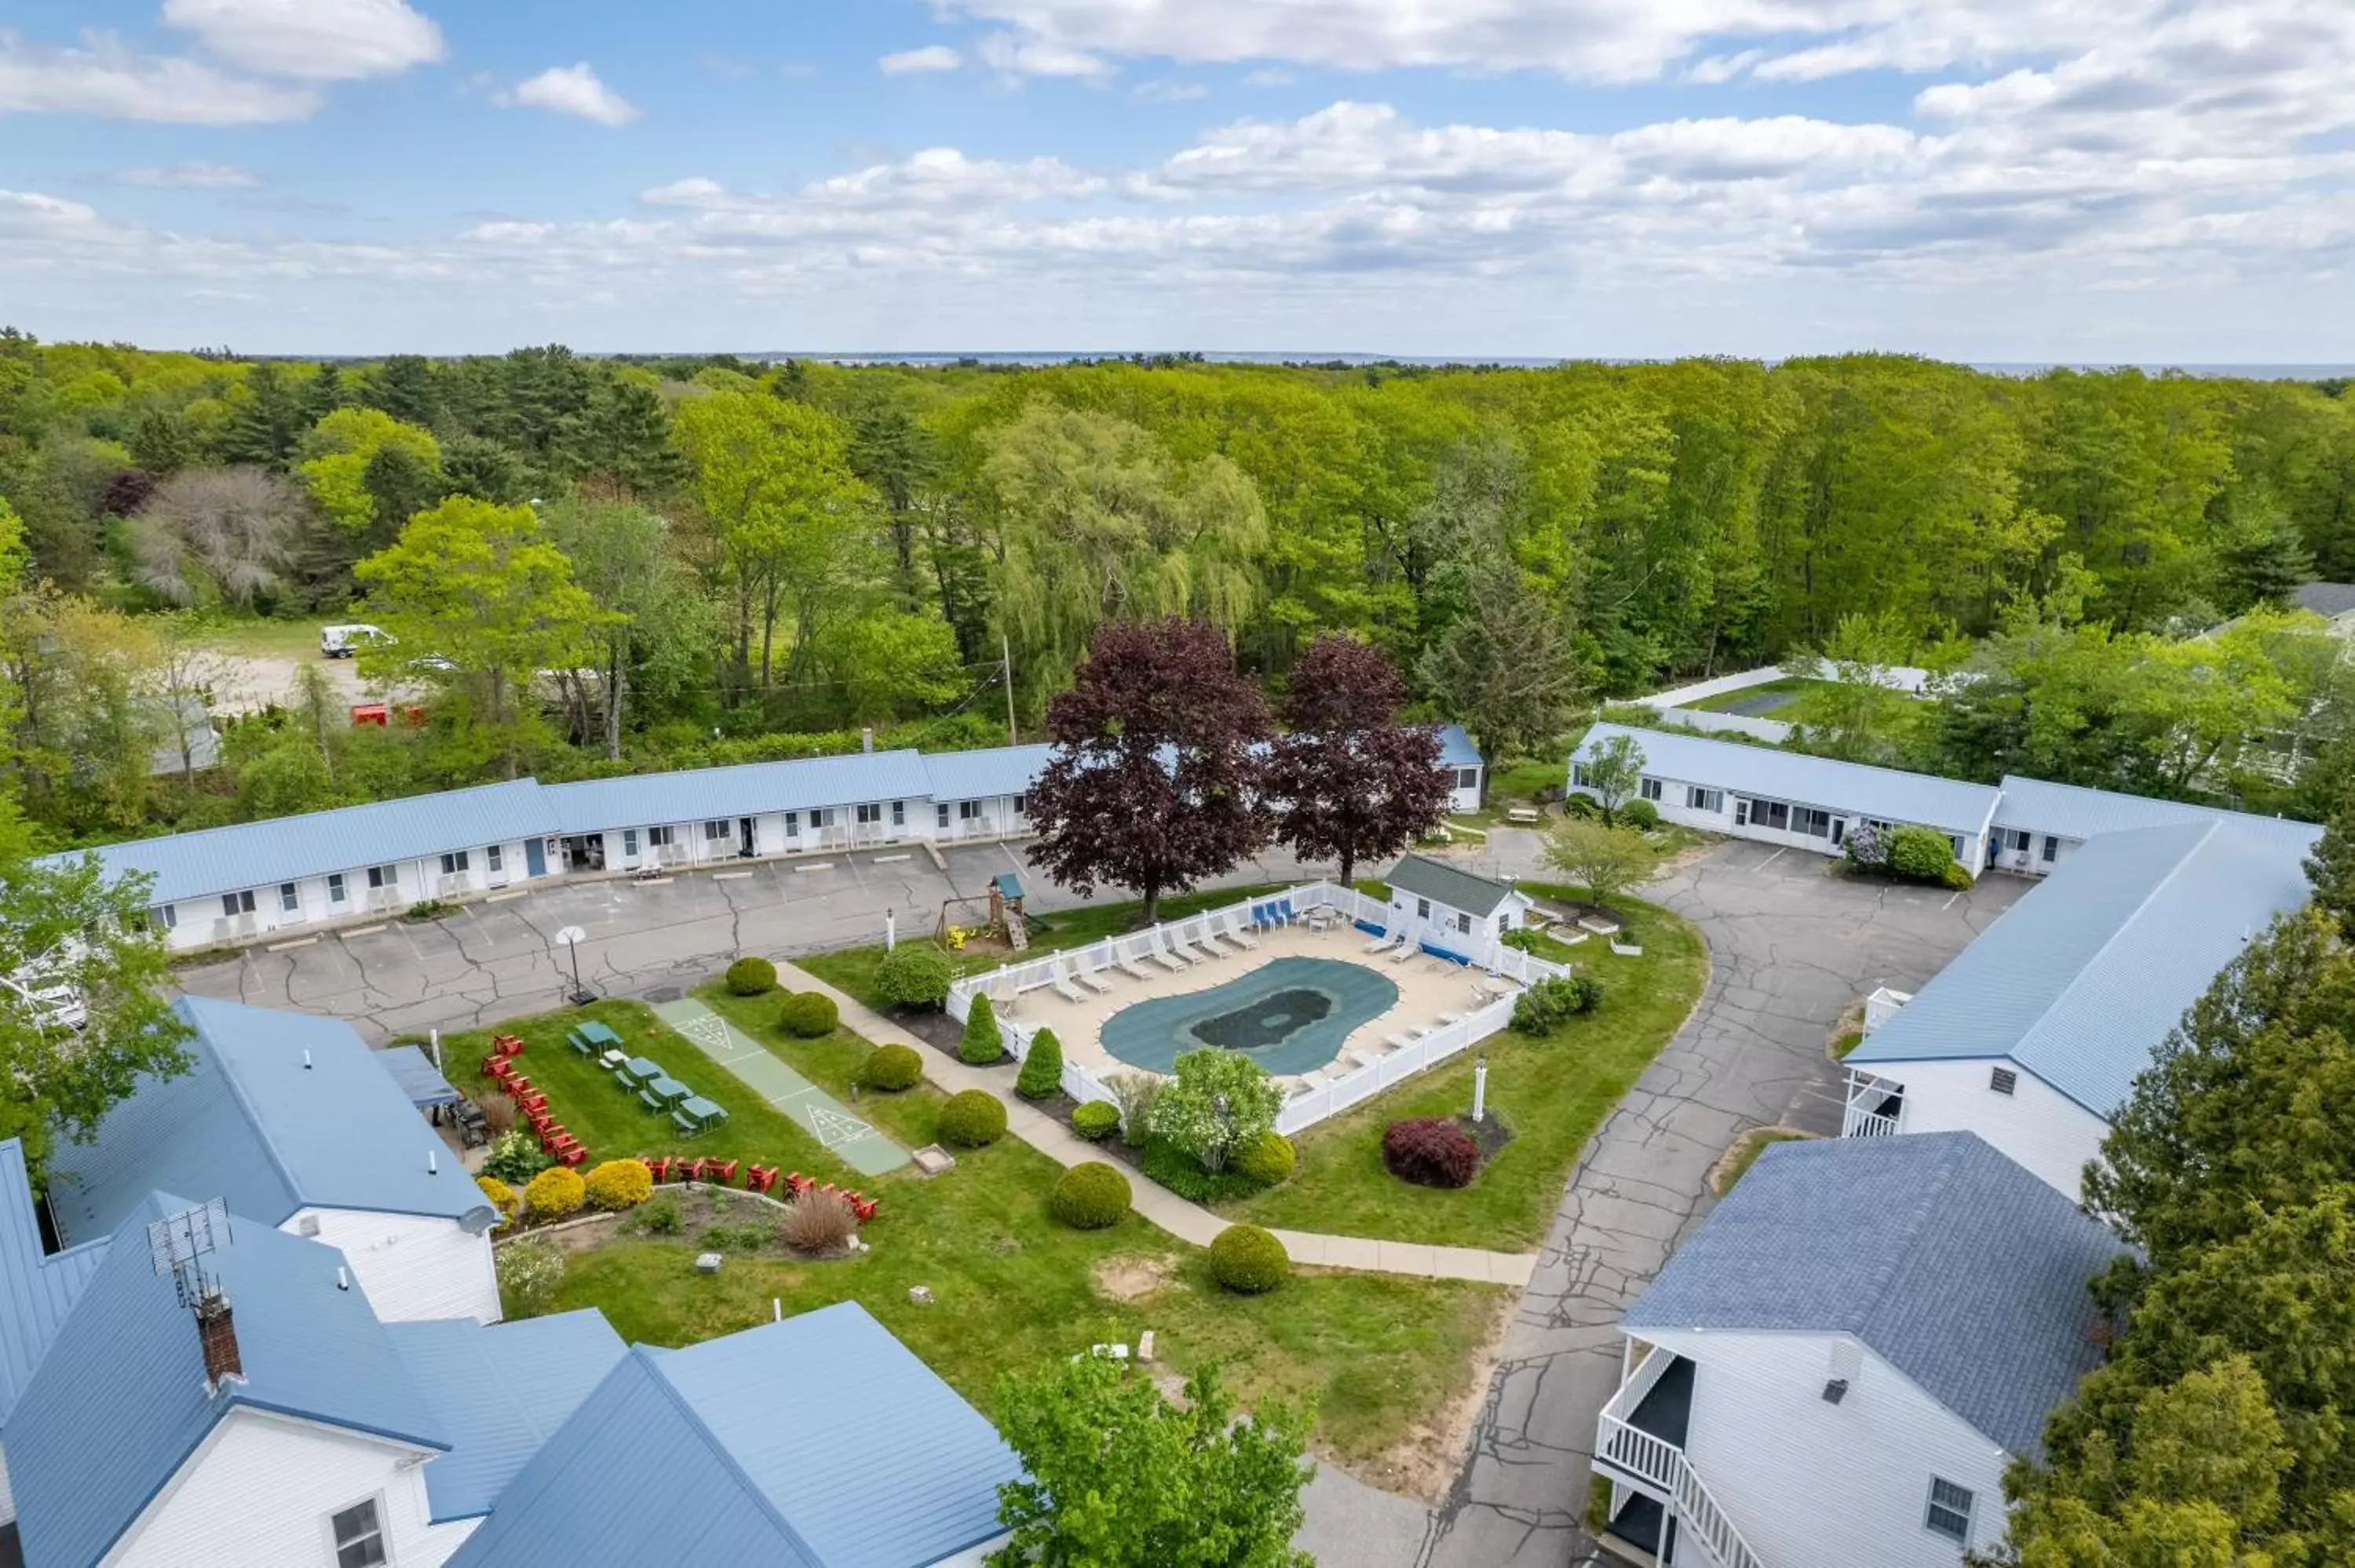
[(2148, 181)]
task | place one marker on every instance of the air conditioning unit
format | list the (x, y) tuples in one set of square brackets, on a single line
[(383, 900)]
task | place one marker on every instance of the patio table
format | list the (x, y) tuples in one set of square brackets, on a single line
[(667, 1089), (702, 1112), (642, 1068), (597, 1034)]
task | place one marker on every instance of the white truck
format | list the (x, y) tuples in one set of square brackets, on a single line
[(343, 641)]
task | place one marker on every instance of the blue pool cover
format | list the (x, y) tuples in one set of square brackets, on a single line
[(1289, 1015)]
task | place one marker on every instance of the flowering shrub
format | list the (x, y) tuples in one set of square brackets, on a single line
[(619, 1184), (1212, 1102), (515, 1158), (503, 1198), (554, 1192), (528, 1273)]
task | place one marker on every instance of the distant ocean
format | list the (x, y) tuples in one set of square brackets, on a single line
[(1043, 357)]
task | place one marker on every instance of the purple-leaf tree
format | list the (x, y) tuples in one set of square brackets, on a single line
[(1156, 779), (1349, 782)]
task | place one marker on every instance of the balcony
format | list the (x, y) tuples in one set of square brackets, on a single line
[(1875, 1106), (1660, 1506)]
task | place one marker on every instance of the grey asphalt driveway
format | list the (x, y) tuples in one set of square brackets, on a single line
[(495, 960), (1791, 948)]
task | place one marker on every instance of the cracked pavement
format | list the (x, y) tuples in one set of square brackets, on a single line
[(1790, 948)]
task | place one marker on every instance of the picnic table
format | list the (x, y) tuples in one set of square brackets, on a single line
[(667, 1089), (613, 1059), (597, 1034), (639, 1070), (701, 1112), (1522, 815)]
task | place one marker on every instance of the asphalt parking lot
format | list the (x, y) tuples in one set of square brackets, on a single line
[(496, 959)]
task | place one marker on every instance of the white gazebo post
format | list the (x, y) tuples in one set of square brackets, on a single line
[(890, 930), (1480, 1090)]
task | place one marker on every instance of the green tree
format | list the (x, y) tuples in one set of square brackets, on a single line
[(774, 477), (338, 455), (622, 558), (265, 420), (1115, 1475), (1612, 771), (621, 442), (2262, 559), (483, 587), (1503, 668), (1605, 859), (1214, 1102), (484, 469), (62, 921), (1861, 716)]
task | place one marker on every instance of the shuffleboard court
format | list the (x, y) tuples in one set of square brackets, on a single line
[(843, 1135)]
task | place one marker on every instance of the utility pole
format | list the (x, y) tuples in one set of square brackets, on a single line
[(1006, 653)]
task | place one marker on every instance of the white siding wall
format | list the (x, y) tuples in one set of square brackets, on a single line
[(258, 1493), (412, 1267), (2042, 1128), (1675, 793), (1830, 1486)]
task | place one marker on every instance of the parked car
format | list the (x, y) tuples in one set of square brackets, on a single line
[(342, 641)]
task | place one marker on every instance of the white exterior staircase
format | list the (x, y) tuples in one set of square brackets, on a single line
[(1628, 1453)]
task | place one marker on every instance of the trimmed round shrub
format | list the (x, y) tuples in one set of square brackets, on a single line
[(1089, 1197), (1430, 1151), (808, 1015), (1042, 1069), (914, 974), (983, 1041), (1268, 1159), (619, 1184), (1245, 1258), (1096, 1121), (751, 976), (892, 1068), (1922, 854), (501, 1196), (1547, 1005), (973, 1118), (1640, 813), (555, 1192)]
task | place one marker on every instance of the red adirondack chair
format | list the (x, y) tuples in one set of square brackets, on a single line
[(760, 1178), (720, 1170), (690, 1169), (659, 1167), (864, 1207), (572, 1156)]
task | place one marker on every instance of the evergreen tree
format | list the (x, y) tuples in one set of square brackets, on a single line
[(403, 386), (480, 467), (161, 444), (323, 394), (265, 423), (1505, 667), (622, 439)]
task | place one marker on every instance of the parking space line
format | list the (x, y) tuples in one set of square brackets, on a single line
[(814, 866), (1949, 904), (729, 875), (1770, 860)]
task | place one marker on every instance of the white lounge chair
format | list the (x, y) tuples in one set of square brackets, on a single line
[(1198, 948), (1447, 1018), (1127, 964), (1236, 933), (1407, 948), (1382, 944), (1092, 980), (1174, 963), (1064, 988), (1398, 1042)]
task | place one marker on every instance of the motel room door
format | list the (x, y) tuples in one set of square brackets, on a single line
[(535, 857)]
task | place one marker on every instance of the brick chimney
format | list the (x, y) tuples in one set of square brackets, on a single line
[(216, 1333)]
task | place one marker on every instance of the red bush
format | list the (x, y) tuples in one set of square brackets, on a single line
[(1430, 1151)]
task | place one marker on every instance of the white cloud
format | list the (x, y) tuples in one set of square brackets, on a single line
[(103, 78), (571, 90), (311, 40), (1269, 76), (1015, 55), (1168, 91), (188, 176), (930, 58)]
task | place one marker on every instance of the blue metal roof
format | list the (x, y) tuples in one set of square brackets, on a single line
[(287, 849), (986, 774), (2072, 811), (37, 1290), (500, 1392), (1951, 1262), (1456, 748), (120, 1401), (250, 1123), (708, 794), (2080, 980), (418, 1079), (1885, 793), (818, 1442)]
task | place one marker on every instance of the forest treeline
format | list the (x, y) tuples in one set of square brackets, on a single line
[(615, 563)]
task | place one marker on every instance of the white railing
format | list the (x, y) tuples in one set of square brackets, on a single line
[(1661, 1466), (1862, 1117), (1316, 1104), (1882, 1006)]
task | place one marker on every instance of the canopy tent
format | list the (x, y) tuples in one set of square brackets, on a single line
[(418, 1079)]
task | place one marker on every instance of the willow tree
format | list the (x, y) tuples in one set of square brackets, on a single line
[(1095, 521)]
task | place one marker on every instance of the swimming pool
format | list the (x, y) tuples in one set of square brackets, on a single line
[(1289, 1015)]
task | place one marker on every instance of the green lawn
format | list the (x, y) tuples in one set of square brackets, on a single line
[(279, 639), (1790, 688), (611, 1122), (910, 1118), (852, 969), (1012, 1288), (1553, 1092), (1848, 1041)]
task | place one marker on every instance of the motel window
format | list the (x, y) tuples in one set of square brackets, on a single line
[(869, 814), (1649, 788), (289, 900), (1960, 853), (336, 890), (1766, 814), (661, 837), (941, 815), (1463, 923), (716, 828), (1808, 820), (1950, 1511), (383, 877), (360, 1536), (1578, 774), (495, 857), (793, 824), (823, 817), (169, 914), (455, 862), (1021, 804), (1423, 908), (898, 813), (1699, 799), (968, 811), (1467, 779), (237, 902), (629, 841), (2051, 847)]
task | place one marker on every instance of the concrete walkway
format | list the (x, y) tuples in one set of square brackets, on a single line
[(1187, 1221), (825, 1118)]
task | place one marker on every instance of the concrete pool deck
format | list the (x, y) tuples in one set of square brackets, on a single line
[(1428, 988)]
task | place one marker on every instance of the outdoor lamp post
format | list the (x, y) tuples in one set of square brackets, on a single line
[(1479, 1090)]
